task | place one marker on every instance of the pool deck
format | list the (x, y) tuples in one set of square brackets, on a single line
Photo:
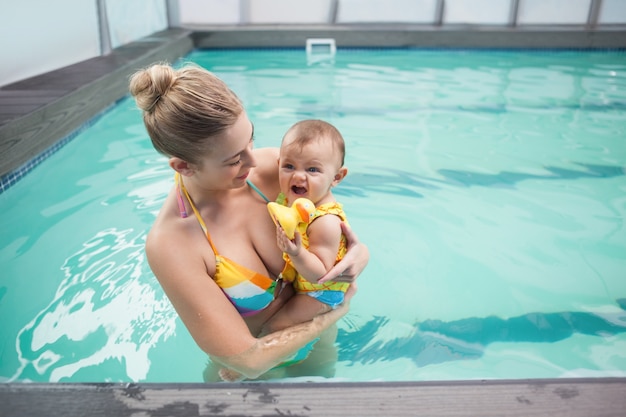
[(38, 112), (603, 397)]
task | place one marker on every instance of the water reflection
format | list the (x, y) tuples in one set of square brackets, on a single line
[(397, 182), (102, 312), (437, 341)]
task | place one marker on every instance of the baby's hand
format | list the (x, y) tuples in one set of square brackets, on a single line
[(286, 245)]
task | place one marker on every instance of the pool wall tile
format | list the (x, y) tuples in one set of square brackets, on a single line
[(10, 179)]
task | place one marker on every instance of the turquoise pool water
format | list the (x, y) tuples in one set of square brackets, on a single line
[(489, 185)]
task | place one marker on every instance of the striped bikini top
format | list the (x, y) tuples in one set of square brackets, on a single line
[(249, 291)]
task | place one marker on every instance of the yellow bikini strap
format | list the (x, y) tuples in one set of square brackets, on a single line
[(181, 187)]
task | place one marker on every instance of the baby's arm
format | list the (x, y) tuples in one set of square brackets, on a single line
[(324, 238)]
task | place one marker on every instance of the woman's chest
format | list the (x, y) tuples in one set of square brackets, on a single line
[(248, 237)]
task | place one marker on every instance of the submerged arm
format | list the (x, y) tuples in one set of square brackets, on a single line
[(275, 348)]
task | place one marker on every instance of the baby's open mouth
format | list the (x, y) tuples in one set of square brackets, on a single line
[(298, 190)]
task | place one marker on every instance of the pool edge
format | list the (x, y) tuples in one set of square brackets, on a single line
[(528, 397), (412, 35), (58, 103)]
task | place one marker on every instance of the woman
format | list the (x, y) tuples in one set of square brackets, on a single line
[(212, 246)]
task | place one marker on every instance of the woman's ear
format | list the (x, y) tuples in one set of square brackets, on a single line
[(184, 168), (340, 175)]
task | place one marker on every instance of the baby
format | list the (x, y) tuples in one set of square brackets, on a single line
[(310, 164)]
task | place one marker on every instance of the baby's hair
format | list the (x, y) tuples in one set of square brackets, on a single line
[(183, 108), (311, 130)]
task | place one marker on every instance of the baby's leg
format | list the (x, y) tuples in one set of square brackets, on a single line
[(299, 309)]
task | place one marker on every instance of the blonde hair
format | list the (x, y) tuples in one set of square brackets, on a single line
[(310, 130), (183, 108)]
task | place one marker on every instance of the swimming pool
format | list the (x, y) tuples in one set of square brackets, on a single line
[(489, 185)]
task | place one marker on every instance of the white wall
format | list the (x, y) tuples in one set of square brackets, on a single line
[(467, 12), (42, 35), (38, 36), (479, 12), (613, 12), (387, 11), (288, 11), (210, 12), (564, 12), (130, 20)]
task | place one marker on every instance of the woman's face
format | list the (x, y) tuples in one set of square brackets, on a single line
[(230, 161)]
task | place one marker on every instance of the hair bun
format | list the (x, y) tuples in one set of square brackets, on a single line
[(149, 85)]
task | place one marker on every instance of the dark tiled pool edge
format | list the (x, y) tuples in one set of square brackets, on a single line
[(413, 35), (12, 177), (532, 397), (56, 105)]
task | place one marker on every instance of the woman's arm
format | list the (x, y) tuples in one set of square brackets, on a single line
[(354, 261), (275, 348), (212, 321)]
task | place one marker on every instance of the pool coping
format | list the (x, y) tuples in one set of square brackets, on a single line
[(39, 112), (525, 397), (412, 35)]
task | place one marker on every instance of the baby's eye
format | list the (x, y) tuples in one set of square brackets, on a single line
[(235, 163), (313, 169)]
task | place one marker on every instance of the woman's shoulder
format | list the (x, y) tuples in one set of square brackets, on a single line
[(161, 235), (168, 231), (265, 174), (266, 157), (172, 246)]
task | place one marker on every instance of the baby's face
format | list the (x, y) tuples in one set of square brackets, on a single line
[(308, 170)]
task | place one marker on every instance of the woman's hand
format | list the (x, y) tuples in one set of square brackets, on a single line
[(354, 261)]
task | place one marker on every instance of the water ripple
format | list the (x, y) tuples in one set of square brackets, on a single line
[(102, 311)]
